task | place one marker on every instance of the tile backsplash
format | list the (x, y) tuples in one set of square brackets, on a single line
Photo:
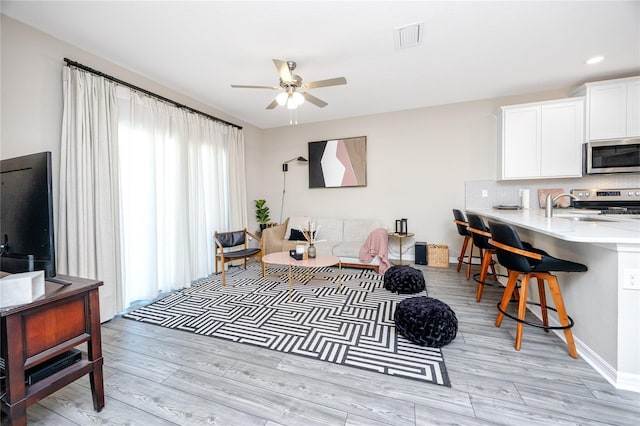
[(507, 192)]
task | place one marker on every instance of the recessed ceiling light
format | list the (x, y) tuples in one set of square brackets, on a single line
[(594, 60)]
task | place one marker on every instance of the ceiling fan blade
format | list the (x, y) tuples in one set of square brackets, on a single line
[(246, 86), (283, 70), (272, 105), (325, 83), (317, 102)]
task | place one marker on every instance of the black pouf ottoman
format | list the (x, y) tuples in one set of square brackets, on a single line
[(403, 279), (426, 321)]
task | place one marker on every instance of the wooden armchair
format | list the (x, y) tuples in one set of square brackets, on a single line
[(226, 241)]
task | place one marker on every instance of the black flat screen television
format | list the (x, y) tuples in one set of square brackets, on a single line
[(26, 215)]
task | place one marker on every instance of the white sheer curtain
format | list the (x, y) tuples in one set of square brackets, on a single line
[(88, 203), (182, 178), (237, 180), (143, 187)]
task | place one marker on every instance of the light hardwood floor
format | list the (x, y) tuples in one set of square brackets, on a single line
[(157, 376)]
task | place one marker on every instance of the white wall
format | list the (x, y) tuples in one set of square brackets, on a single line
[(418, 160), (31, 84), (417, 165)]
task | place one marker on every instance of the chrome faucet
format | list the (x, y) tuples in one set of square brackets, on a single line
[(548, 208)]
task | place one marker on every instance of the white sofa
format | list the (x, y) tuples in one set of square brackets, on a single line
[(340, 237)]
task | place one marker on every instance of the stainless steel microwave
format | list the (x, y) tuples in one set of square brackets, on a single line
[(612, 156)]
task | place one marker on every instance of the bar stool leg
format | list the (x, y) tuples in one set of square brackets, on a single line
[(543, 303), (562, 313), (522, 309), (493, 270), (516, 294), (506, 296), (470, 258), (465, 242), (484, 269)]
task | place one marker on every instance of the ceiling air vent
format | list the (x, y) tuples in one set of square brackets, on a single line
[(408, 35)]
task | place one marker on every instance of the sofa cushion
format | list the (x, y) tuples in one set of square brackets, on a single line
[(326, 247), (348, 249), (358, 229), (296, 222), (330, 229)]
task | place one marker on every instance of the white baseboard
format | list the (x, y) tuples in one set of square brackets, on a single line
[(630, 382), (409, 258)]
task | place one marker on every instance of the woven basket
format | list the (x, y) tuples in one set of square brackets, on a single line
[(438, 255)]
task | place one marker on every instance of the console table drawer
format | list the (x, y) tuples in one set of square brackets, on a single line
[(66, 322)]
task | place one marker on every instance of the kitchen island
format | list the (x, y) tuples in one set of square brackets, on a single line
[(606, 309)]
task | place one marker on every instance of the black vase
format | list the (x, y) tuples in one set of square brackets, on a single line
[(263, 226)]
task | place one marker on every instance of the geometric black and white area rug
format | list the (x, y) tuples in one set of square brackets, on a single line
[(354, 327)]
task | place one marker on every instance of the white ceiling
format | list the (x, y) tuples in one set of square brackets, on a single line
[(471, 50)]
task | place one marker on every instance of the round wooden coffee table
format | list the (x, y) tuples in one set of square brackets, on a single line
[(320, 261)]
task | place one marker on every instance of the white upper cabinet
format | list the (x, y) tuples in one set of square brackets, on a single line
[(633, 109), (541, 140), (613, 108)]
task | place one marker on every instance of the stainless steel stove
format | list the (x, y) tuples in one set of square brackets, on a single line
[(624, 201)]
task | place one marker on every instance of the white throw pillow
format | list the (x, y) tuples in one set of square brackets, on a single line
[(296, 222)]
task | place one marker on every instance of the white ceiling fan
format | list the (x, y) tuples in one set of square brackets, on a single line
[(294, 90)]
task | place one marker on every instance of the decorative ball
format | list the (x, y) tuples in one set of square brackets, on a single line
[(426, 321), (403, 279)]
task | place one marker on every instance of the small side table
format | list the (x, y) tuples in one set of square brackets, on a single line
[(401, 237)]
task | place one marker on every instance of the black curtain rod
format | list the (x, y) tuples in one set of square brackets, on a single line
[(146, 92)]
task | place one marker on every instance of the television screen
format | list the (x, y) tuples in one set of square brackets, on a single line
[(26, 215)]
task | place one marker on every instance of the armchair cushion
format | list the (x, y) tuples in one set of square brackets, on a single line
[(239, 254), (231, 239)]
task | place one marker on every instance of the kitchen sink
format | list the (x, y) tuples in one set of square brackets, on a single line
[(585, 218)]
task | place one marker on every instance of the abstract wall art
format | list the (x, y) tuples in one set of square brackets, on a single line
[(338, 163)]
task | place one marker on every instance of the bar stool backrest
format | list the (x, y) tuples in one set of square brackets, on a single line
[(505, 234), (479, 240), (459, 216)]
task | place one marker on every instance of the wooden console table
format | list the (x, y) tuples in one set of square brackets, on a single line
[(65, 317)]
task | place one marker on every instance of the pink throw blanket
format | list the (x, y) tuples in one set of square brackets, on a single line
[(376, 245)]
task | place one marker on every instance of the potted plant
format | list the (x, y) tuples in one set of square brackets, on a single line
[(262, 213)]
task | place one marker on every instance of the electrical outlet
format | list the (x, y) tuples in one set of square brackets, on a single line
[(631, 279), (485, 193)]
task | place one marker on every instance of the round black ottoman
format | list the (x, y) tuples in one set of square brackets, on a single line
[(426, 321), (404, 279)]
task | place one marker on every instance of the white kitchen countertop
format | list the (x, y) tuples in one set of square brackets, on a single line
[(618, 230)]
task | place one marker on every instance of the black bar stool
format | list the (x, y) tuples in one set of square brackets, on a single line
[(531, 263), (481, 234), (461, 225)]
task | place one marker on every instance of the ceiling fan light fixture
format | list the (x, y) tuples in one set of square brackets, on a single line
[(282, 98), (289, 84), (297, 98)]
